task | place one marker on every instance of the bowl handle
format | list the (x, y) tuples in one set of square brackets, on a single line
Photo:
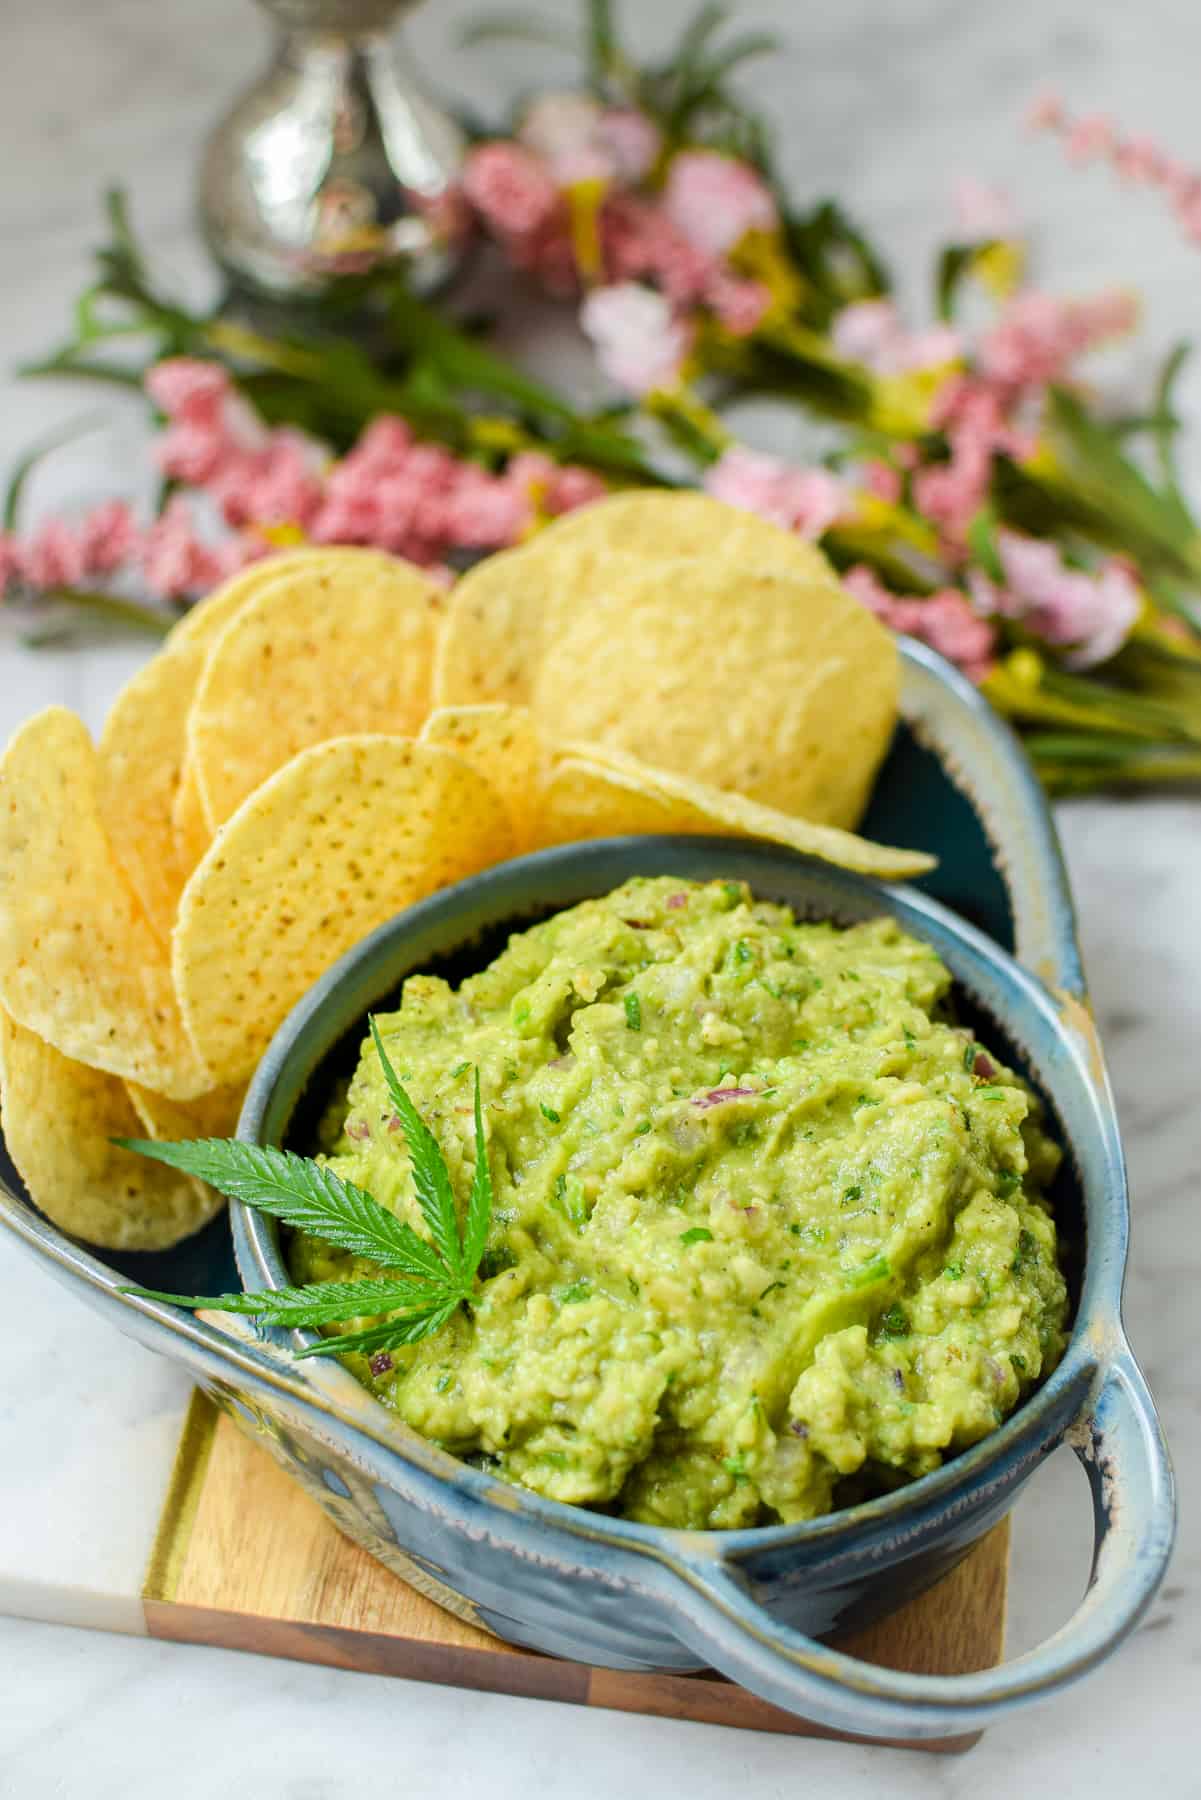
[(1120, 1443)]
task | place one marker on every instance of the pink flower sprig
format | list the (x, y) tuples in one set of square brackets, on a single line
[(266, 486), (1135, 157)]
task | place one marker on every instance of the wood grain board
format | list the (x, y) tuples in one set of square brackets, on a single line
[(245, 1559)]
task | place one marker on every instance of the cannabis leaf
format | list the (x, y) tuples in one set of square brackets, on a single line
[(433, 1279)]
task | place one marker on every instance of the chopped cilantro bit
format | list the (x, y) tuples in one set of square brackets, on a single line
[(633, 1008), (852, 1193), (735, 1466), (743, 952), (910, 1040), (867, 1273), (1008, 1181), (555, 1458), (954, 1271), (770, 1289), (641, 1130), (697, 1234), (569, 1199), (548, 1112), (732, 891), (895, 1322), (969, 1057), (444, 1381), (459, 1069), (1019, 1362), (578, 1290)]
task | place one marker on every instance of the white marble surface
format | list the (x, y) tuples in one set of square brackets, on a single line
[(884, 103)]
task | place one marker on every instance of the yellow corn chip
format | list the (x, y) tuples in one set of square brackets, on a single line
[(212, 1115), (58, 1117), (728, 682), (205, 622), (79, 962), (502, 744), (318, 653), (189, 828), (592, 799), (646, 523), (141, 753), (344, 836)]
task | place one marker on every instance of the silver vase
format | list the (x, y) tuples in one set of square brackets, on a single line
[(334, 161)]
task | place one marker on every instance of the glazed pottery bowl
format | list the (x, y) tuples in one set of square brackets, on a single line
[(753, 1603)]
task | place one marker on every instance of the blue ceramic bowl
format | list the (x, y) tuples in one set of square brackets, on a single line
[(753, 1603)]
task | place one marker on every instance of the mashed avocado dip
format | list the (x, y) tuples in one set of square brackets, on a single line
[(765, 1218)]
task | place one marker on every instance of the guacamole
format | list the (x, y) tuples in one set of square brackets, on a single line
[(769, 1227)]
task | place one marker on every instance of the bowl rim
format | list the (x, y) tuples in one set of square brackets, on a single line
[(1096, 1335)]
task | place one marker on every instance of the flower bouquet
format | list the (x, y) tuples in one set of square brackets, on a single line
[(972, 487)]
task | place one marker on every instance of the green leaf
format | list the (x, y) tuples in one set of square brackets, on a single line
[(697, 1234), (54, 440), (392, 1336), (479, 1203), (601, 41), (431, 1179), (319, 1303), (309, 1196), (525, 28), (954, 264)]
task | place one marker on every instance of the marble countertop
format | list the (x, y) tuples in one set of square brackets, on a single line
[(885, 105)]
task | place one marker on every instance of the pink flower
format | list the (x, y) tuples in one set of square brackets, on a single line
[(1038, 337), (386, 440), (53, 557), (641, 243), (640, 343), (108, 537), (946, 620), (571, 487), (631, 139), (739, 305), (715, 200), (238, 551), (1092, 613), (559, 127), (184, 387), (488, 511), (870, 332), (1045, 113), (882, 480), (807, 501), (982, 212), (175, 562), (510, 188), (1138, 158), (1089, 137)]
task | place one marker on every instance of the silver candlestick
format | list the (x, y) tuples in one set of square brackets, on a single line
[(334, 161)]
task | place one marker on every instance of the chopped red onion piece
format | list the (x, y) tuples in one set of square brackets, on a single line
[(984, 1066), (359, 1129), (675, 901), (380, 1363), (716, 1096)]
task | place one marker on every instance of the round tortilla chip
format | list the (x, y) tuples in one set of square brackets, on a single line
[(141, 754), (502, 614), (205, 621), (79, 962), (339, 840), (189, 827), (58, 1117), (729, 683), (320, 652), (503, 745), (583, 799), (649, 523), (170, 1121)]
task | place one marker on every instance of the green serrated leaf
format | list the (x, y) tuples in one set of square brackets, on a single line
[(431, 1179), (319, 1303), (392, 1336), (309, 1196)]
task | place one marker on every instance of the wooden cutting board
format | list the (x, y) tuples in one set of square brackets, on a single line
[(245, 1559)]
